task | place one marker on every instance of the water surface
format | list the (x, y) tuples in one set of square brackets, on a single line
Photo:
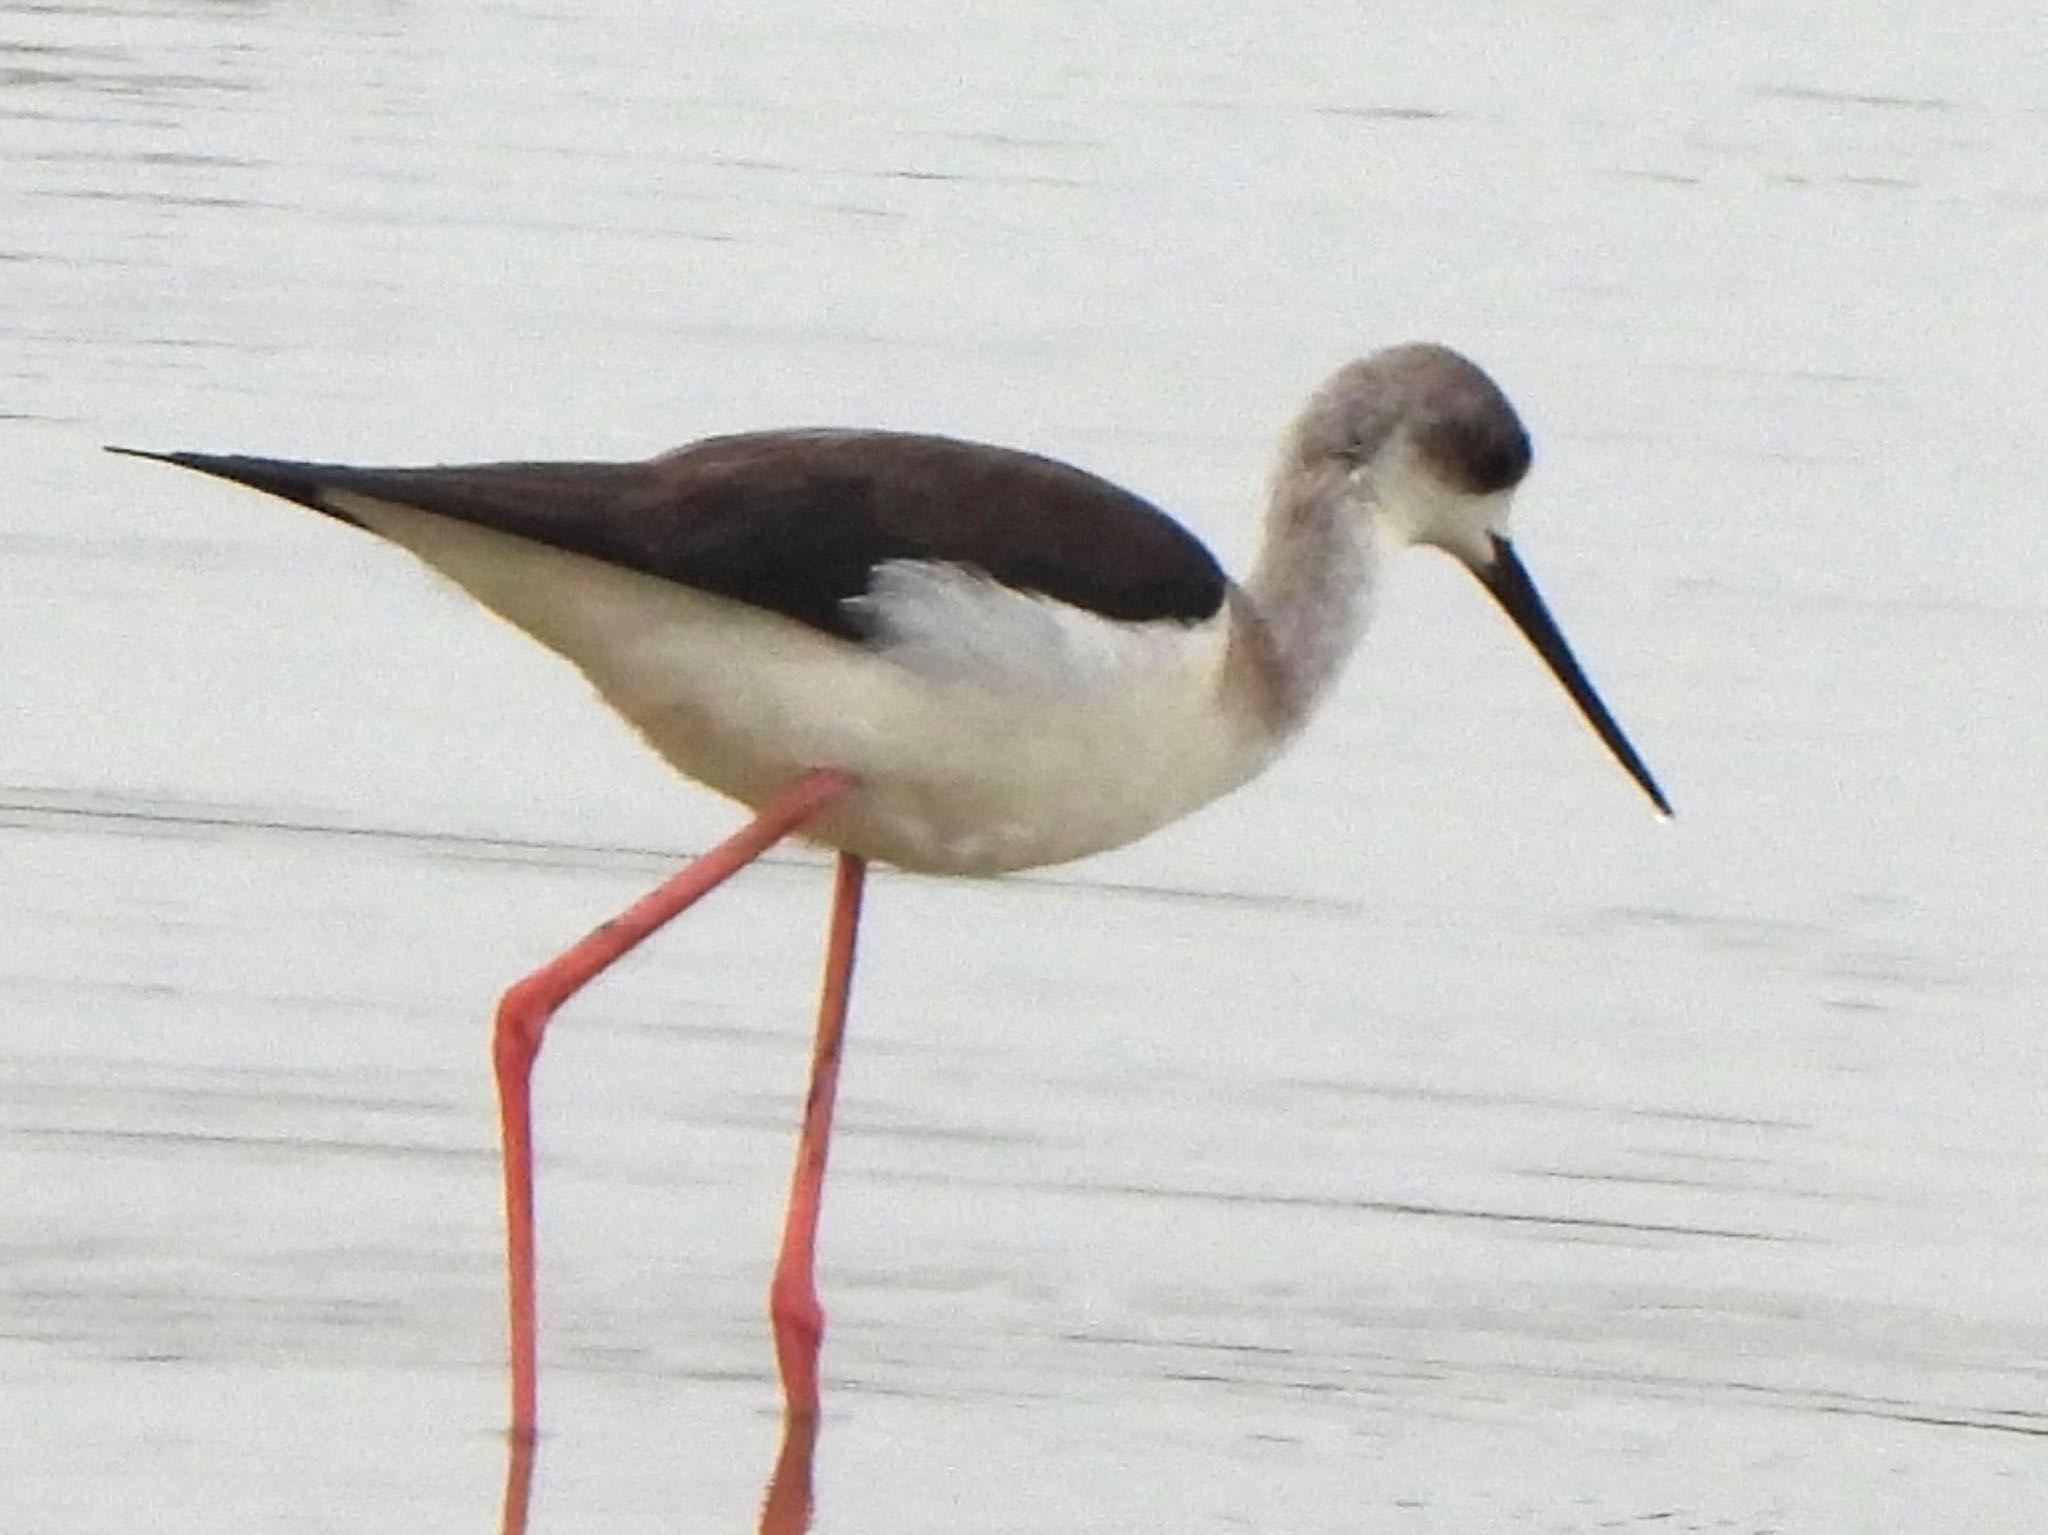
[(1423, 1139)]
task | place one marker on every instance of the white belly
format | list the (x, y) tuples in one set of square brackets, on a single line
[(988, 730)]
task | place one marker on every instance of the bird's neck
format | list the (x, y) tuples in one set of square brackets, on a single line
[(1310, 590)]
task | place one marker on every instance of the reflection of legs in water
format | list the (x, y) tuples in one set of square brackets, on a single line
[(518, 1484), (523, 1017), (785, 1506)]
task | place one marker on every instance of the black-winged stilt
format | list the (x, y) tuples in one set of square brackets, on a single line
[(943, 655)]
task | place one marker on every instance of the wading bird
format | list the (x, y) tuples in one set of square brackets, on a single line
[(947, 656)]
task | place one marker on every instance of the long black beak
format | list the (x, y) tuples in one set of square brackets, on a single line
[(1516, 593)]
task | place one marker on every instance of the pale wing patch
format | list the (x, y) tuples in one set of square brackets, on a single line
[(956, 625)]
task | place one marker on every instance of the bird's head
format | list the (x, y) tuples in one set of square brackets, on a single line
[(1432, 452), (1431, 449)]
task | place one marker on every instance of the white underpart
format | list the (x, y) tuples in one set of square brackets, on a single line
[(989, 729), (953, 625)]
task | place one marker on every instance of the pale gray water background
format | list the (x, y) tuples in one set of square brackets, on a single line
[(1424, 1139)]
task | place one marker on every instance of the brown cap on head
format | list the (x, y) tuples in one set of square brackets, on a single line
[(1457, 418), (1460, 420)]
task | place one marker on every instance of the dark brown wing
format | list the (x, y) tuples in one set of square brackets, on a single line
[(796, 521)]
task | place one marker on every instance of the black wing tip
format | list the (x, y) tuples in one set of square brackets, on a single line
[(303, 483)]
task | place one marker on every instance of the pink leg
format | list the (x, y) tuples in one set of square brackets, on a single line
[(523, 1016), (793, 1296)]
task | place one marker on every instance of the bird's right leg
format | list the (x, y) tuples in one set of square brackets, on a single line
[(523, 1017), (793, 1296)]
